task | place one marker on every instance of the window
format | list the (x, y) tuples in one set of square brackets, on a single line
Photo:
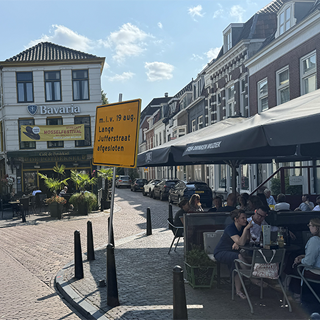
[(193, 125), (308, 69), (25, 86), (230, 101), (243, 105), (54, 122), (26, 144), (200, 122), (164, 136), (228, 40), (285, 20), (80, 85), (87, 131), (160, 138), (283, 85), (263, 95), (53, 85)]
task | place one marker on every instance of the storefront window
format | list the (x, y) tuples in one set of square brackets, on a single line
[(87, 131), (54, 122), (223, 176), (245, 177), (26, 144), (29, 181)]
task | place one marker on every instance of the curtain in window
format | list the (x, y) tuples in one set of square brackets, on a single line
[(284, 95), (76, 90), (29, 92), (85, 91), (57, 95), (49, 91), (20, 92)]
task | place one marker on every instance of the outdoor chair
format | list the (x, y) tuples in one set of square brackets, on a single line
[(245, 270), (307, 281), (177, 233), (210, 241)]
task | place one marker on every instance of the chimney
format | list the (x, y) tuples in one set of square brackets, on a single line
[(166, 94)]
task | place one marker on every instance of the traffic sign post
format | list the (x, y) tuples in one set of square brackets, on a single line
[(116, 134)]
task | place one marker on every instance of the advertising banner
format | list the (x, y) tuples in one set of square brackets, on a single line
[(52, 133)]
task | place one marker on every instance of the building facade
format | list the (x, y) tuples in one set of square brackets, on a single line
[(47, 85)]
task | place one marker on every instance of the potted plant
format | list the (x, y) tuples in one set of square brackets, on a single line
[(55, 203), (200, 269), (105, 174), (83, 201)]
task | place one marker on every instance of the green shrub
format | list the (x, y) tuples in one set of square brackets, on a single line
[(276, 187), (78, 199), (198, 257)]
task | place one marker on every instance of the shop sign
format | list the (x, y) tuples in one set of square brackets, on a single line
[(116, 134), (52, 133), (33, 109), (55, 158)]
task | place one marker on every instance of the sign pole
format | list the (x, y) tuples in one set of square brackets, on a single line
[(112, 195)]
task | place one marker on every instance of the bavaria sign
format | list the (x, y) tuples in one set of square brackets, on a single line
[(116, 134)]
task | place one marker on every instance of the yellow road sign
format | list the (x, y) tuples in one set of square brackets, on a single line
[(116, 134)]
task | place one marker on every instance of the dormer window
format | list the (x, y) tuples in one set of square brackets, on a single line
[(286, 19), (228, 41)]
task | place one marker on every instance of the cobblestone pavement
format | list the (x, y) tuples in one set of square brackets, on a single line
[(32, 253)]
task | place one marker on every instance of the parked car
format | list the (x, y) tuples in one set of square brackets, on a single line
[(148, 188), (137, 184), (184, 190), (123, 181), (161, 190)]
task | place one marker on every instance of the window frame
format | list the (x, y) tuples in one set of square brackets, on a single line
[(230, 101), (52, 82), (280, 87), (55, 144), (24, 83), (262, 97), (200, 122), (80, 86), (288, 19), (308, 74), (87, 128), (243, 106), (21, 143), (193, 125)]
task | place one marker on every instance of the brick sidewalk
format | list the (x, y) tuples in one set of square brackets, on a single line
[(144, 273)]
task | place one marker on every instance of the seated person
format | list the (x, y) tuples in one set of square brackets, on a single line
[(243, 201), (227, 249), (194, 203), (63, 191), (269, 197), (312, 259), (184, 208), (35, 191), (306, 205), (231, 204), (257, 221), (217, 201), (317, 207), (282, 205)]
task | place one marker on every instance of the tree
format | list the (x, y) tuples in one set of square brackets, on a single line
[(55, 185), (104, 97), (82, 180)]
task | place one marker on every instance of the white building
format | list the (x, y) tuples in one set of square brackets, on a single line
[(42, 86)]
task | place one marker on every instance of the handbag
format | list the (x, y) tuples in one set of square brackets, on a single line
[(266, 270)]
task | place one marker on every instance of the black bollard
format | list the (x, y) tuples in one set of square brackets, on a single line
[(170, 211), (179, 295), (112, 286), (90, 248), (112, 236), (101, 204), (149, 227), (78, 266)]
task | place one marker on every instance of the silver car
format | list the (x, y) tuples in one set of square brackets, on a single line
[(123, 181)]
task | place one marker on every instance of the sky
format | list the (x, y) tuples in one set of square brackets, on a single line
[(151, 46)]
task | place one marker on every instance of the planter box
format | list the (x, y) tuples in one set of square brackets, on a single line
[(83, 209), (55, 210), (200, 277)]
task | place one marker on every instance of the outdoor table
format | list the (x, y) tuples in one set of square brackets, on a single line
[(14, 205)]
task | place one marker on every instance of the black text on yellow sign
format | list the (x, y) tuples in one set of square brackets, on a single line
[(116, 134)]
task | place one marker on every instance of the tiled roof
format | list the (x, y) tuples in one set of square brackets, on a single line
[(272, 7), (47, 51), (187, 88)]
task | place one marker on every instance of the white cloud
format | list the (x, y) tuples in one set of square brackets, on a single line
[(158, 71), (121, 77), (195, 11), (212, 53), (160, 25), (128, 41), (196, 57), (237, 11), (66, 37), (218, 12)]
